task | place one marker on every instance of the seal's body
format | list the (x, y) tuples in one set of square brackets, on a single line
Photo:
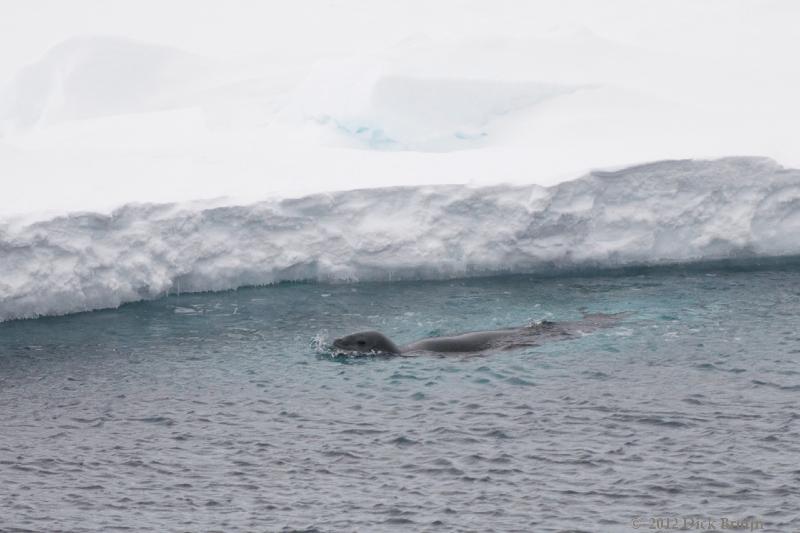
[(477, 341)]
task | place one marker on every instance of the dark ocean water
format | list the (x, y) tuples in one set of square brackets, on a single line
[(223, 411)]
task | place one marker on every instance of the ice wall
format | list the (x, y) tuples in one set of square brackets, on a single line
[(670, 211)]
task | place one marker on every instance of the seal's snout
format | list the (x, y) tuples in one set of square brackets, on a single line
[(338, 343)]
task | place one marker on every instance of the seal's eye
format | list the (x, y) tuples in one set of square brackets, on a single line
[(362, 343)]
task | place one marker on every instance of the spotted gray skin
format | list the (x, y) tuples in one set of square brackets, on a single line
[(478, 341)]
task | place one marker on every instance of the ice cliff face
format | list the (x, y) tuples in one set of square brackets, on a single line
[(670, 211)]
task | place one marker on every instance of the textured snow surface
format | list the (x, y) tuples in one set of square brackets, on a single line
[(668, 211)]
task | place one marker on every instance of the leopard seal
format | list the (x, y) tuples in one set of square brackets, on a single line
[(375, 342)]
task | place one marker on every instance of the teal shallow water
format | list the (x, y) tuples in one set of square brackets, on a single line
[(221, 411)]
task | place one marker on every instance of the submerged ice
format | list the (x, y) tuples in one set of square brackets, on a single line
[(664, 212)]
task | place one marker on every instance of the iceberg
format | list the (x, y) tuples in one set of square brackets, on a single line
[(656, 213), (140, 156)]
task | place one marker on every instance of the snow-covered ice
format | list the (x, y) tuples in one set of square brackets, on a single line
[(658, 213), (132, 120), (103, 106)]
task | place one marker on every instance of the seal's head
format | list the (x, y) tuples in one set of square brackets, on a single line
[(366, 342)]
